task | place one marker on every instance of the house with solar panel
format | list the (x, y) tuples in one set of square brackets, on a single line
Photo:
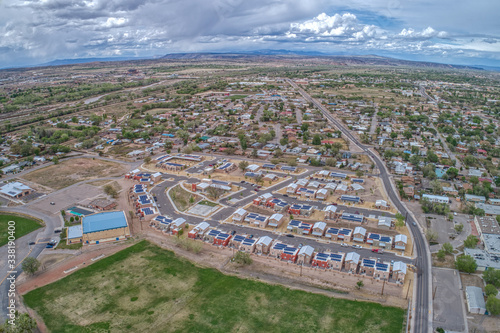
[(289, 253), (226, 167), (318, 229), (263, 245), (329, 260), (269, 166), (399, 271), (248, 245), (359, 235), (351, 262), (301, 210), (222, 239), (277, 205), (306, 193), (338, 175), (302, 182), (287, 168), (305, 255), (352, 217), (367, 266), (236, 240), (383, 241), (104, 227), (139, 189), (299, 227), (162, 223), (199, 230), (382, 270), (330, 212), (257, 220), (210, 235), (350, 199), (177, 225), (239, 215), (400, 242)]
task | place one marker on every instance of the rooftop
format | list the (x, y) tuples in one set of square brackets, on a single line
[(104, 221)]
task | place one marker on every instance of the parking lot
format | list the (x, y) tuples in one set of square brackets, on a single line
[(448, 304)]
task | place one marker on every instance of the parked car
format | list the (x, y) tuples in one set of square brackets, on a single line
[(49, 246), (242, 182), (414, 223), (300, 245), (52, 203), (344, 245), (375, 250), (31, 243), (285, 195), (250, 237), (290, 235)]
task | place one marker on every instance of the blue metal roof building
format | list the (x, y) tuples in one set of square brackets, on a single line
[(104, 221)]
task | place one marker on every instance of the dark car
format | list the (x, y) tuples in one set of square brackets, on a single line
[(242, 182), (49, 246), (233, 232), (155, 198), (250, 237), (290, 235), (31, 243), (285, 195)]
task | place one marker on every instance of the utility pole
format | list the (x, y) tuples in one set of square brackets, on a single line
[(383, 285), (434, 293)]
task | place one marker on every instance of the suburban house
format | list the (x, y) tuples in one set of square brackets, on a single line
[(400, 242), (275, 220), (319, 229), (16, 190), (359, 234), (305, 255), (351, 262), (263, 245), (199, 230), (330, 212), (399, 271), (329, 260), (239, 215)]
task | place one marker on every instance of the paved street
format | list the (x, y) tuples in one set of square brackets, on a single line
[(423, 301), (23, 249)]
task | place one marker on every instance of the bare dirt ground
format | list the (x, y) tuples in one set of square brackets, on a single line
[(72, 171)]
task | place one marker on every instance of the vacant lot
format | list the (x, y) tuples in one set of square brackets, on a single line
[(147, 289), (23, 226), (72, 171), (182, 198)]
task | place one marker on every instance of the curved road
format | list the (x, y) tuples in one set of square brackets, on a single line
[(423, 301)]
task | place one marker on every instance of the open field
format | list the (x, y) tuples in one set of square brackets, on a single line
[(72, 171), (145, 288), (182, 198), (23, 226)]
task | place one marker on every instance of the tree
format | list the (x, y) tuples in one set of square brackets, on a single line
[(55, 160), (492, 276), (30, 265), (23, 324), (441, 255), (471, 241), (459, 228), (254, 153), (242, 258), (452, 172), (147, 159), (359, 173), (359, 284), (243, 165), (110, 190), (493, 306), (466, 264), (283, 141), (490, 290), (431, 235), (448, 248), (316, 140)]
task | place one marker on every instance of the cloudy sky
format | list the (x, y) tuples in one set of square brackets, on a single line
[(448, 31)]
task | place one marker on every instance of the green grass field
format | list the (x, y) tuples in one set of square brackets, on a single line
[(147, 289), (23, 226)]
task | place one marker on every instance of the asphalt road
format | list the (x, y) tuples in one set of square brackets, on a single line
[(423, 301), (23, 249)]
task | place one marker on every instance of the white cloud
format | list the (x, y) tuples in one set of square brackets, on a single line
[(428, 32), (113, 22)]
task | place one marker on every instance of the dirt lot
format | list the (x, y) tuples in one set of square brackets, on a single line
[(73, 171)]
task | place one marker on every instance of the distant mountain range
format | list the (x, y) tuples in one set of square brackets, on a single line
[(373, 60), (261, 55)]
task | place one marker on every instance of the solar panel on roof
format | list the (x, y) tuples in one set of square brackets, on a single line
[(238, 238), (385, 239), (279, 246), (381, 266)]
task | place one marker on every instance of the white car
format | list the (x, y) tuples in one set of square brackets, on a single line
[(344, 245)]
